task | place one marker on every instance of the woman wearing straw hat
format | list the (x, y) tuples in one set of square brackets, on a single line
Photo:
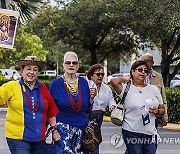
[(30, 105)]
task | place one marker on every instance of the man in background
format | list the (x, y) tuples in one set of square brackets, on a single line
[(156, 79)]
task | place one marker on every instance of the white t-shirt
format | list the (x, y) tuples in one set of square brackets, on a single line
[(137, 103)]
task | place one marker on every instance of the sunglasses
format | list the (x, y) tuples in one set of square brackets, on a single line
[(141, 70), (71, 62), (99, 74)]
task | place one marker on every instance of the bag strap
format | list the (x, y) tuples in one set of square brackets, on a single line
[(125, 92), (50, 130)]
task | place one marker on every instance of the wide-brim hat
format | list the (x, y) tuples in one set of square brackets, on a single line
[(31, 60)]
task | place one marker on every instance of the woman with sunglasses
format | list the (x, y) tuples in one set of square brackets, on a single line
[(103, 98), (142, 104), (72, 97)]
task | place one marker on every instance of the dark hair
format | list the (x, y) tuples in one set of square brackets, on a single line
[(92, 69), (136, 64)]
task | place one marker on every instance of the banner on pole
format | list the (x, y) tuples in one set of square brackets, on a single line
[(8, 25)]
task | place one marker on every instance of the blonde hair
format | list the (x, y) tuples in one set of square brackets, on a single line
[(70, 54)]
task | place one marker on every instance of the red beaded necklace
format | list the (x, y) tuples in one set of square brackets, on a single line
[(35, 108), (75, 105)]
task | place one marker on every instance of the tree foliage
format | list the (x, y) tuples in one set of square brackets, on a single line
[(88, 28), (158, 21), (25, 45), (107, 29)]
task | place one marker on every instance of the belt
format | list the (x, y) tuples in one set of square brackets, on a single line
[(97, 111)]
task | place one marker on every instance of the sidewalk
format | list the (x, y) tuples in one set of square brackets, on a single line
[(169, 125)]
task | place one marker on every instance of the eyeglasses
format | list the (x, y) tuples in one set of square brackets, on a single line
[(99, 74), (141, 70), (71, 62)]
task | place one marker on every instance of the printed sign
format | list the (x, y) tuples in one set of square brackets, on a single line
[(8, 24)]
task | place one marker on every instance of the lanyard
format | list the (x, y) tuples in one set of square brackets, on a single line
[(75, 105), (32, 108)]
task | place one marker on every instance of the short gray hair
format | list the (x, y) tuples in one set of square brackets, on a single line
[(70, 54)]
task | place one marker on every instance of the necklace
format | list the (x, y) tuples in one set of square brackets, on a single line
[(139, 89), (69, 81), (75, 105), (31, 103)]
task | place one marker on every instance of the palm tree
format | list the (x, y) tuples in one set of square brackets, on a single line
[(26, 8)]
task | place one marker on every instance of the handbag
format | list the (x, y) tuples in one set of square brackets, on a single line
[(56, 148), (117, 115), (92, 137)]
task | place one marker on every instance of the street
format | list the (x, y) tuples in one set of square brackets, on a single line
[(112, 139)]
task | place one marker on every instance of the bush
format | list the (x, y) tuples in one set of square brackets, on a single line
[(173, 99)]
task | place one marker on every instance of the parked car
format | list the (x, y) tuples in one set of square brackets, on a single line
[(49, 72), (175, 82), (8, 73)]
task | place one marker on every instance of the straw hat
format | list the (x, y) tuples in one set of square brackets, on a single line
[(31, 60)]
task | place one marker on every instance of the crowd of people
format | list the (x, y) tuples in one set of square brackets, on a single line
[(71, 101)]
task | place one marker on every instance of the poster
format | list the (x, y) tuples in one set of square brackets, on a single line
[(8, 25)]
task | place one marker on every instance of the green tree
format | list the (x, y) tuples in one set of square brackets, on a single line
[(157, 21), (25, 44), (87, 27)]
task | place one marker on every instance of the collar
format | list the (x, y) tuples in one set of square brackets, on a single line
[(152, 73), (37, 84)]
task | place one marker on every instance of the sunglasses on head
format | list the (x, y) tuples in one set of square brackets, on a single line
[(71, 62), (99, 74), (142, 70)]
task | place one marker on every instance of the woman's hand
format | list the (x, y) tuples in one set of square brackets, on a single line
[(111, 108), (55, 135), (126, 78), (158, 111), (93, 92), (154, 110)]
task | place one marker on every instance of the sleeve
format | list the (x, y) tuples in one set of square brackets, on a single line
[(86, 84), (52, 108), (6, 91), (157, 94), (111, 98), (52, 88)]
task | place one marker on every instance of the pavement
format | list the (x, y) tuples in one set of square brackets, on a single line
[(170, 126)]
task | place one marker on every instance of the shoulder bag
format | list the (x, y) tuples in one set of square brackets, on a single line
[(92, 137), (117, 115), (56, 148)]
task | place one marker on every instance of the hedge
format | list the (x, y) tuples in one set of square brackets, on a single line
[(172, 94), (173, 99)]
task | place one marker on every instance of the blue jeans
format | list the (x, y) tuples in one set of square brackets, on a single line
[(138, 143), (22, 147)]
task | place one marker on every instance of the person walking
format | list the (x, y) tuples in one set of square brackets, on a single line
[(103, 98), (156, 79), (30, 106), (142, 104), (72, 96)]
